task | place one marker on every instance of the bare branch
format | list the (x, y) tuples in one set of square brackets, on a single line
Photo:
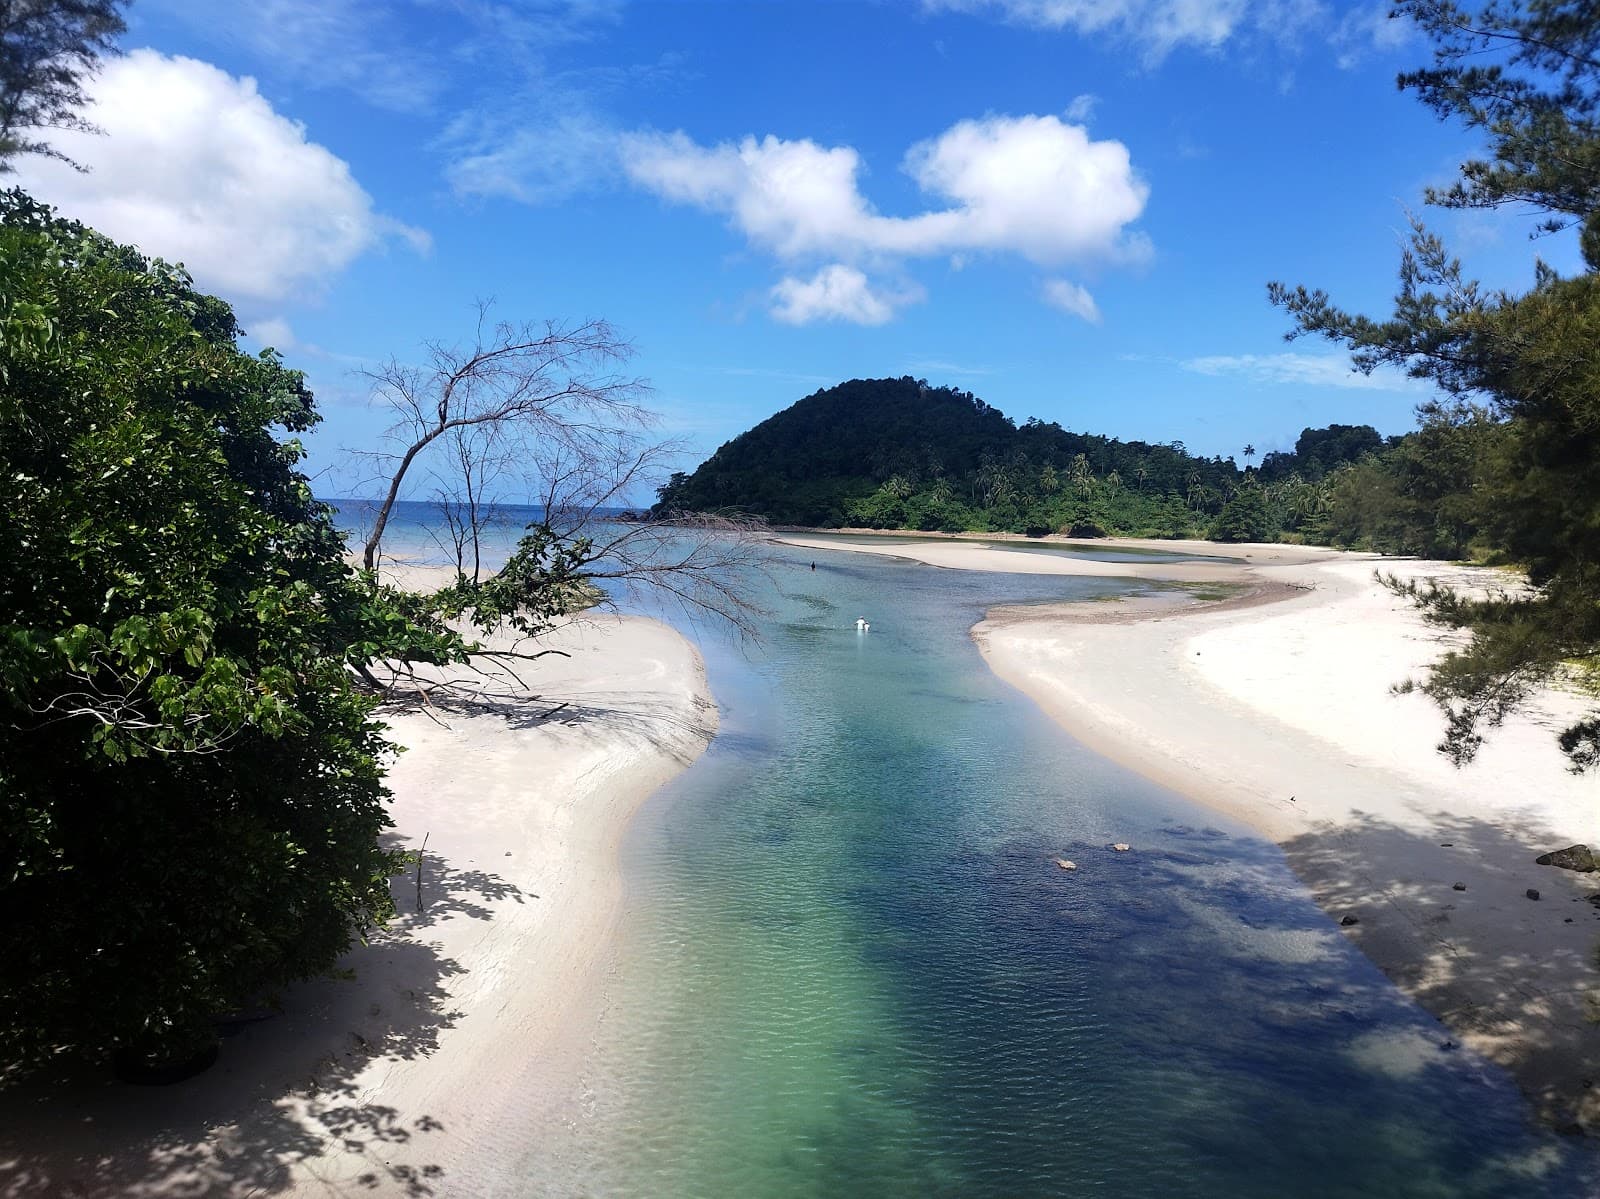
[(534, 381)]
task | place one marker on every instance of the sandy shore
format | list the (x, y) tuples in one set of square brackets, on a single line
[(1276, 708), (460, 1033)]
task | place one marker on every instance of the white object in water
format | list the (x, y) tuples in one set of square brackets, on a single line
[(861, 623)]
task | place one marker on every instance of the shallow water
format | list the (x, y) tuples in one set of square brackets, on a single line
[(1068, 549), (849, 965)]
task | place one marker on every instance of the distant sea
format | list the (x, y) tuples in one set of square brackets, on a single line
[(417, 532)]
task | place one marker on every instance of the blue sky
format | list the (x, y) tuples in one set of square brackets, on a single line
[(1069, 207)]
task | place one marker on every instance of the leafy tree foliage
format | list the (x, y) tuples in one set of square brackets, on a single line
[(190, 786), (1419, 495), (1528, 365), (47, 49), (1319, 451), (897, 453), (1244, 517)]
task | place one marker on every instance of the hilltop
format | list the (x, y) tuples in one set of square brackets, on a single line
[(900, 453)]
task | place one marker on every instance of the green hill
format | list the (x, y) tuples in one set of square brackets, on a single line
[(899, 453)]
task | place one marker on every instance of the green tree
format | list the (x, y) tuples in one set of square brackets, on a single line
[(190, 786), (47, 49), (1243, 517), (1528, 77)]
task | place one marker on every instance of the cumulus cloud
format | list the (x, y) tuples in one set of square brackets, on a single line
[(1031, 185), (1320, 370), (1072, 299), (837, 293), (196, 167)]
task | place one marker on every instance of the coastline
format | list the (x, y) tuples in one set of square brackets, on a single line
[(462, 1029), (1275, 707)]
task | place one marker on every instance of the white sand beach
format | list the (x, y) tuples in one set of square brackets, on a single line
[(460, 1030), (1276, 708)]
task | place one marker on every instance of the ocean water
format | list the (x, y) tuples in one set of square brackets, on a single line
[(848, 964), (416, 532)]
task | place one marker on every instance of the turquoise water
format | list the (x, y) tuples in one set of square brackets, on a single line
[(850, 967)]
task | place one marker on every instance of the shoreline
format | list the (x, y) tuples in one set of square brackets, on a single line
[(464, 1027), (1275, 708)]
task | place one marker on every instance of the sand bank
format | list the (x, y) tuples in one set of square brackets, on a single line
[(461, 1033), (1276, 708)]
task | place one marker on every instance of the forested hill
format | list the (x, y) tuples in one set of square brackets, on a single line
[(899, 453)]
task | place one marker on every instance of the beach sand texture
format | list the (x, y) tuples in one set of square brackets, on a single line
[(1276, 707), (461, 1031)]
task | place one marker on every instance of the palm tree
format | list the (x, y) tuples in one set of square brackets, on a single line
[(898, 486), (1081, 474)]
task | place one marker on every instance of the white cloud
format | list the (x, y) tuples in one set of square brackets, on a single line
[(1362, 32), (1317, 370), (273, 331), (1033, 186), (395, 54), (1072, 299), (196, 167), (540, 161), (837, 293), (1029, 185), (1082, 107), (1160, 26), (353, 45), (938, 366)]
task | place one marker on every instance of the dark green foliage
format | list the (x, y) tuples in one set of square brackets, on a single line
[(1244, 517), (1420, 496), (1525, 74), (190, 789), (47, 48), (897, 453), (1511, 453), (1319, 451)]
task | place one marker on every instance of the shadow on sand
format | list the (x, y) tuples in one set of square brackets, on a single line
[(286, 1104), (1517, 976)]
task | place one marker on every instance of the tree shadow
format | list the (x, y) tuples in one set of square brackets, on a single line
[(1518, 976), (289, 1104), (657, 724), (443, 890)]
